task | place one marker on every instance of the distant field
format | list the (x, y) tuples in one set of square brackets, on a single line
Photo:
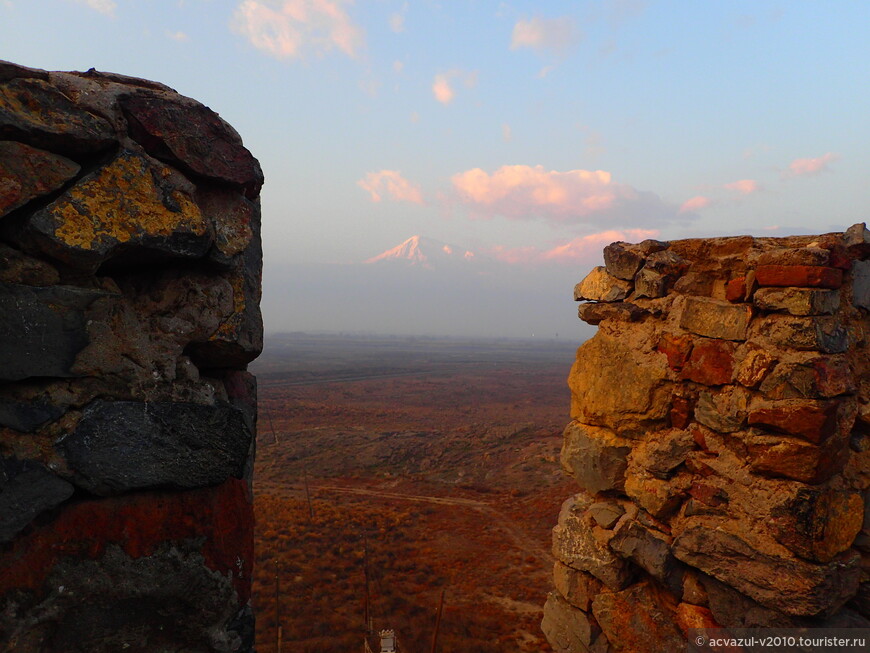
[(440, 457)]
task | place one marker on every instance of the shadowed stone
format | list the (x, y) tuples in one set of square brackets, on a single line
[(595, 313), (623, 260), (650, 550), (192, 137), (595, 457), (126, 445), (27, 416), (27, 489), (861, 284), (42, 329), (570, 630), (36, 113), (27, 173)]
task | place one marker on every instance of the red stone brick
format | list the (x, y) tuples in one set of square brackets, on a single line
[(682, 409), (814, 421), (735, 290), (804, 276), (710, 362), (676, 348)]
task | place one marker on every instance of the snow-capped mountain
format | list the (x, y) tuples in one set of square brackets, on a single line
[(425, 252)]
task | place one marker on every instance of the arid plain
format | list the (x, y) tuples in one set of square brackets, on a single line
[(411, 466)]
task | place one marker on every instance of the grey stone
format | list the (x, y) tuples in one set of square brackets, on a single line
[(576, 587), (801, 588), (606, 513), (595, 457), (595, 313), (26, 490), (715, 318), (581, 545), (127, 445), (623, 260), (823, 333), (724, 411), (42, 329), (798, 301), (663, 452), (650, 550), (732, 609), (857, 239), (570, 630), (861, 284)]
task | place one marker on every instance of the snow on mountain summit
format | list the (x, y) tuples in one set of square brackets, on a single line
[(425, 252)]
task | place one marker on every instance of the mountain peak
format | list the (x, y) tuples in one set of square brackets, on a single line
[(424, 251)]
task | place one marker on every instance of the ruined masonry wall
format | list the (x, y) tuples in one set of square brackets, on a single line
[(130, 266), (719, 436)]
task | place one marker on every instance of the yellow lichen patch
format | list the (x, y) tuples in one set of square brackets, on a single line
[(123, 203)]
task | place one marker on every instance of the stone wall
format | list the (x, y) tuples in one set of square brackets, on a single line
[(130, 268), (719, 436)]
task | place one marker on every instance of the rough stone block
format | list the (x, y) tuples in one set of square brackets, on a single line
[(812, 420), (650, 550), (595, 457), (640, 618), (801, 588), (663, 452), (753, 363), (133, 205), (783, 457), (724, 411), (861, 284), (42, 329), (659, 273), (127, 445), (570, 630), (826, 334), (798, 301), (714, 318), (191, 136), (659, 498), (599, 286), (825, 377), (814, 256), (691, 616), (577, 587), (27, 416), (711, 362), (581, 545), (595, 313), (676, 348), (32, 111), (623, 260), (804, 276), (27, 173), (26, 490)]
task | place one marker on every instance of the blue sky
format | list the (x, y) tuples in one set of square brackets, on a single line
[(532, 132)]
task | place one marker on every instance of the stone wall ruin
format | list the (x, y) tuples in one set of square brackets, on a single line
[(130, 267), (719, 436)]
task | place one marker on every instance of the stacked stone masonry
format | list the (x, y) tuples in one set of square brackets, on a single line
[(130, 266), (719, 436)]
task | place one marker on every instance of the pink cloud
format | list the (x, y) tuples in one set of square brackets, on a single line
[(583, 249), (744, 186), (695, 204), (557, 35), (106, 7), (391, 182), (286, 29), (443, 89), (804, 167), (523, 192)]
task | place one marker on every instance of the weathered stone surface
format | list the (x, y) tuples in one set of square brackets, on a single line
[(799, 588), (606, 513), (676, 348), (34, 112), (18, 267), (595, 457), (236, 221), (818, 524), (42, 329), (659, 498), (594, 313), (804, 276), (599, 286), (691, 616), (753, 363), (815, 256), (659, 273), (127, 445), (715, 318), (724, 411), (27, 489), (581, 545), (797, 301), (824, 334), (623, 260), (732, 609), (9, 70), (816, 377), (640, 618), (27, 173), (861, 284), (711, 362), (735, 290), (193, 137), (857, 239), (146, 571), (650, 550), (814, 421), (570, 630), (131, 206), (779, 456), (577, 587), (27, 416), (663, 452), (615, 386)]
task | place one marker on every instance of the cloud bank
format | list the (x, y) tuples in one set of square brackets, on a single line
[(392, 183), (580, 250), (807, 167), (289, 29), (555, 35)]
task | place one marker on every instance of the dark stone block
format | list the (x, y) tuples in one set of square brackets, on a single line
[(27, 489), (42, 329), (27, 416), (36, 113), (127, 445), (193, 138), (9, 70), (27, 173)]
